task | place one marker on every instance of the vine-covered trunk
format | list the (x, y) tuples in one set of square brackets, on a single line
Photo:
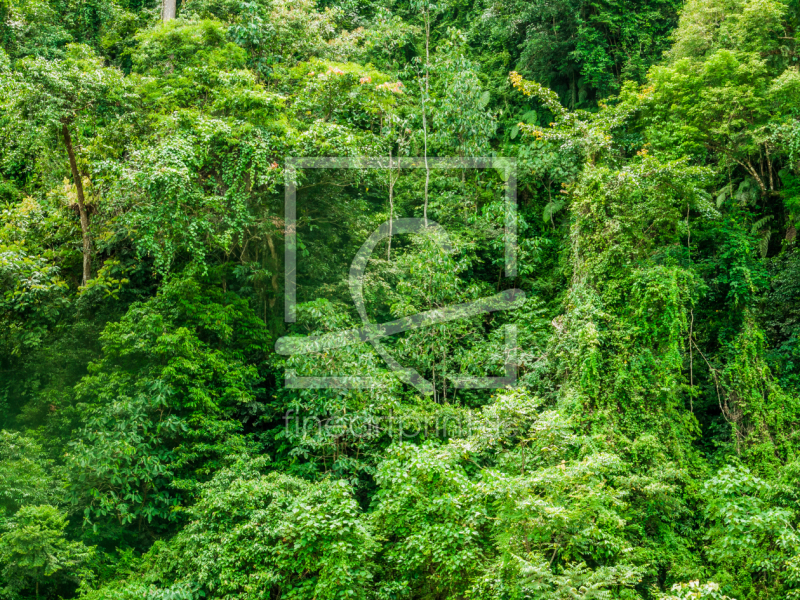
[(84, 215)]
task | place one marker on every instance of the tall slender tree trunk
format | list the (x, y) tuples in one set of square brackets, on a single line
[(424, 112), (391, 205), (76, 176), (427, 167), (275, 266), (168, 9)]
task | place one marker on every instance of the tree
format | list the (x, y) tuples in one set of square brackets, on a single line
[(583, 49), (61, 97), (170, 395), (168, 10), (257, 536), (24, 476), (34, 550), (463, 125)]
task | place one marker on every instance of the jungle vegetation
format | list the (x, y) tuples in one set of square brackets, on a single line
[(150, 446)]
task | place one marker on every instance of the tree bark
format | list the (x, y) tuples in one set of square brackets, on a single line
[(424, 115), (168, 10), (275, 265), (391, 205), (87, 240), (749, 168)]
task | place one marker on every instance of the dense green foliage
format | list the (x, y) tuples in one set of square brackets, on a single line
[(150, 445)]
